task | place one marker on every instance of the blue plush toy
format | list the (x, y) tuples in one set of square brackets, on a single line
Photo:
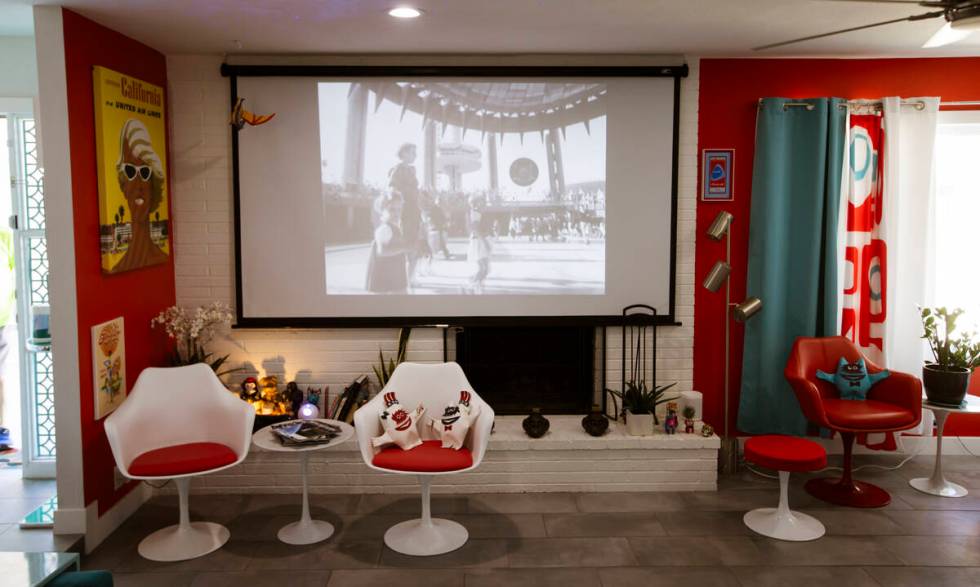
[(852, 379)]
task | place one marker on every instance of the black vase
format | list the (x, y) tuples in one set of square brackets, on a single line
[(536, 425), (596, 422), (945, 386)]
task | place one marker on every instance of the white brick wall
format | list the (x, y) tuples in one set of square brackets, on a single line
[(202, 198)]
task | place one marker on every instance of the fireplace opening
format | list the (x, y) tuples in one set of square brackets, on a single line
[(515, 369)]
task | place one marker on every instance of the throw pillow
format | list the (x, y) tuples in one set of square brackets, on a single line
[(852, 379), (455, 421), (400, 425)]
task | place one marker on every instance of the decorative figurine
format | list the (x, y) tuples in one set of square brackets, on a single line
[(249, 390), (270, 402), (596, 422), (313, 396), (295, 396), (670, 422), (536, 425), (706, 430), (689, 413)]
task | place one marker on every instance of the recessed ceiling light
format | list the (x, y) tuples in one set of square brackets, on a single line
[(405, 12)]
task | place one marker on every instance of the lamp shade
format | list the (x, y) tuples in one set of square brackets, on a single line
[(717, 276), (750, 307), (719, 227)]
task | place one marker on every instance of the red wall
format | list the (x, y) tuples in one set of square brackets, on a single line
[(729, 93), (137, 295)]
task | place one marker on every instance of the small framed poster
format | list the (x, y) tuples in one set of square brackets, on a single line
[(109, 366), (717, 175)]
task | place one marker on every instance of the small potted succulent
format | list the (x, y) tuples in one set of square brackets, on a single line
[(640, 406), (947, 378)]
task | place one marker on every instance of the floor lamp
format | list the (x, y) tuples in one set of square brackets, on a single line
[(721, 229)]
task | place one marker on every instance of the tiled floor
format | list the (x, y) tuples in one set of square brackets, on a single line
[(573, 540), (18, 497)]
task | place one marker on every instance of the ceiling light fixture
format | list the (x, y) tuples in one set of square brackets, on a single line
[(405, 12)]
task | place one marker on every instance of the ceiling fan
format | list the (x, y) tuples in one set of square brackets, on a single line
[(962, 19)]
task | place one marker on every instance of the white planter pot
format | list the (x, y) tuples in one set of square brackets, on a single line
[(639, 424)]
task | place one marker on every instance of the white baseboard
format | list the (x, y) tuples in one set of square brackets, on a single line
[(69, 521), (100, 527)]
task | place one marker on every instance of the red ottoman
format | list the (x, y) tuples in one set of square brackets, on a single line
[(785, 454)]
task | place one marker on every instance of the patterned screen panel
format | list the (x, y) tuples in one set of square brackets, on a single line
[(41, 373)]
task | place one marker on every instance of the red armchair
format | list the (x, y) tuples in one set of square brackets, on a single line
[(893, 404)]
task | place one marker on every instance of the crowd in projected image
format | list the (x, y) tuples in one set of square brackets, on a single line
[(460, 187)]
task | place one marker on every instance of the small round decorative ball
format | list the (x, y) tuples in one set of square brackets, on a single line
[(536, 425), (308, 411)]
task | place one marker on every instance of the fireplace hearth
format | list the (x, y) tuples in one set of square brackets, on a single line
[(515, 369)]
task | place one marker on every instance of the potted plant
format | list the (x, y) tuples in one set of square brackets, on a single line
[(640, 406), (190, 334), (383, 369), (947, 378)]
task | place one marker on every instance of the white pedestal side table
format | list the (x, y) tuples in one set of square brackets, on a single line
[(306, 530), (937, 484)]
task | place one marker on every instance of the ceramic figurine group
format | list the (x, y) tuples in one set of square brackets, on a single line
[(268, 400)]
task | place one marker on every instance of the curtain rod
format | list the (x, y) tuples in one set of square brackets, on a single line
[(918, 104)]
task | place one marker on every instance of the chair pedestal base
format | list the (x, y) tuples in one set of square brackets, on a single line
[(305, 532), (847, 492), (183, 541), (416, 538), (784, 524)]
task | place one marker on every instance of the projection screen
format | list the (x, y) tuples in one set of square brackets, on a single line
[(422, 199)]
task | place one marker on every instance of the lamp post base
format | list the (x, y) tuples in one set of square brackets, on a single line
[(728, 456)]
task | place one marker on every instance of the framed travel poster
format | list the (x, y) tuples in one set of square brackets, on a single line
[(130, 141), (109, 366), (717, 175)]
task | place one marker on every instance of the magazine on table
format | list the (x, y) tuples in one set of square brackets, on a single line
[(306, 432)]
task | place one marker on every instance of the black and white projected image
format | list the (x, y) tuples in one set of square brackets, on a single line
[(446, 187)]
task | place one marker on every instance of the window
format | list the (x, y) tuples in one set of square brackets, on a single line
[(957, 279)]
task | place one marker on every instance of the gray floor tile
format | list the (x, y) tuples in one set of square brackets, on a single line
[(933, 550), (696, 551), (230, 557), (571, 552), (630, 502), (803, 577), (13, 509), (490, 552), (925, 576), (409, 504), (262, 579), (852, 521), (326, 555), (692, 523), (522, 503), (747, 499), (829, 550), (668, 577), (937, 523), (396, 577), (532, 578), (605, 524)]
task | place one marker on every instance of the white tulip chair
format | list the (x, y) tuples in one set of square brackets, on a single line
[(435, 386), (178, 423)]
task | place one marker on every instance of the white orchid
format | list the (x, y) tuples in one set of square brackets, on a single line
[(191, 332)]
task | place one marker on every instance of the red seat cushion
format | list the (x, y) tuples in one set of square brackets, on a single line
[(868, 415), (428, 457), (182, 459), (785, 453)]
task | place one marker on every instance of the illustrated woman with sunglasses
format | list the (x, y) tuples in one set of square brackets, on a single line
[(141, 180)]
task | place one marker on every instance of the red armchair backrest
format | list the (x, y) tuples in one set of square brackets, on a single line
[(810, 354)]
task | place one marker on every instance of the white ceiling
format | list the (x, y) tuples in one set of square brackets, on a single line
[(705, 27)]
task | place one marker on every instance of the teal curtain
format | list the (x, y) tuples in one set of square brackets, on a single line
[(792, 267)]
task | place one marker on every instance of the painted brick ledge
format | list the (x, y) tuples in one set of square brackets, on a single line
[(566, 459)]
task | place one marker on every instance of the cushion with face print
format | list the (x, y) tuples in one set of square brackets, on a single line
[(455, 421), (852, 379), (400, 425)]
